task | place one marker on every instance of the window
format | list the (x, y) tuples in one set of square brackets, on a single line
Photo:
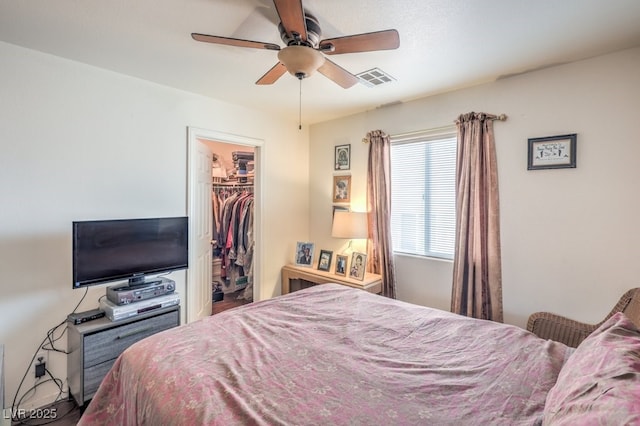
[(423, 201)]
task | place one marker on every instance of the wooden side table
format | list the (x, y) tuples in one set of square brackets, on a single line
[(371, 283)]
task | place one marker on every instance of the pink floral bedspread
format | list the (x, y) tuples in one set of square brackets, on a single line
[(331, 355)]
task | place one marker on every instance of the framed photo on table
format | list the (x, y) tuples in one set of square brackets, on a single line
[(552, 152), (358, 265), (304, 254), (341, 265), (324, 261)]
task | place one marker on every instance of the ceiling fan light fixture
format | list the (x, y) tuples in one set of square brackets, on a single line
[(301, 61)]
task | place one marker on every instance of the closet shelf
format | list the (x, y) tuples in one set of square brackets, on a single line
[(231, 184)]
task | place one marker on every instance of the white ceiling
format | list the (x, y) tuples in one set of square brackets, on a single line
[(444, 44)]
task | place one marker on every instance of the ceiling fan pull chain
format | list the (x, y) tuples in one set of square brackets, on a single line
[(300, 107)]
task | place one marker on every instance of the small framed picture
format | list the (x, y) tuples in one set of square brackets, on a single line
[(324, 261), (552, 152), (304, 254), (342, 189), (358, 265), (341, 265), (340, 209), (342, 157)]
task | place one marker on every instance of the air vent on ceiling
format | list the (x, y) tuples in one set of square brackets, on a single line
[(374, 77)]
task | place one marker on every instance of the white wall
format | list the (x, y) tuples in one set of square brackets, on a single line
[(569, 236), (78, 142)]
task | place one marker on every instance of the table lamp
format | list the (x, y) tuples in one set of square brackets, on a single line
[(350, 225)]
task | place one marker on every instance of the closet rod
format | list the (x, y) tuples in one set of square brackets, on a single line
[(231, 185)]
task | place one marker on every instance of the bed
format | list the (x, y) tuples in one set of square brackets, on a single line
[(331, 354)]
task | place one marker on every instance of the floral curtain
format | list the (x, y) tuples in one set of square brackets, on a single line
[(379, 247), (477, 274)]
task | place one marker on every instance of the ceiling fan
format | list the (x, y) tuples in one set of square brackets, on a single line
[(305, 51)]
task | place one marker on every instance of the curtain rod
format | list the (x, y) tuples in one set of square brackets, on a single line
[(501, 117)]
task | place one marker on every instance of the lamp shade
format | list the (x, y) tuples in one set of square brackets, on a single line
[(301, 61), (349, 225)]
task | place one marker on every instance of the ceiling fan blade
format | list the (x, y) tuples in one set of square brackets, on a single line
[(291, 15), (234, 42), (379, 40), (337, 74), (273, 74)]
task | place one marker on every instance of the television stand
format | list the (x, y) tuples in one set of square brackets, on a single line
[(94, 346)]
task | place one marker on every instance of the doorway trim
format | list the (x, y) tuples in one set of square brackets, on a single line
[(197, 136)]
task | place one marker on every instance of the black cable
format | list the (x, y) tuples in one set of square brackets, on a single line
[(48, 411), (25, 421), (58, 383), (52, 339), (14, 406), (53, 415)]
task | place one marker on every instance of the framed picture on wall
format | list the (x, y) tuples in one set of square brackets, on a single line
[(304, 254), (342, 189), (341, 209), (324, 261), (552, 152), (342, 157), (358, 265)]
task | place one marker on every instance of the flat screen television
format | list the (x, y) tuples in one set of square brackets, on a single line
[(128, 249)]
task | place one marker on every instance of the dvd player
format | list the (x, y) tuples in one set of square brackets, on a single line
[(119, 312), (123, 294)]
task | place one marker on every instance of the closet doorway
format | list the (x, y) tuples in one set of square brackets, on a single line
[(203, 145)]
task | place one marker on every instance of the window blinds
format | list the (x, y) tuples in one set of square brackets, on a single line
[(423, 194)]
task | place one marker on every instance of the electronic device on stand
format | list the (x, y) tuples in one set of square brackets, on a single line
[(119, 312), (125, 294)]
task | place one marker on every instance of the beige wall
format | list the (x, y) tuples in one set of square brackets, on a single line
[(78, 143), (569, 236)]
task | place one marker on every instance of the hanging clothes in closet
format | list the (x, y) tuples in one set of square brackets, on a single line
[(233, 237)]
